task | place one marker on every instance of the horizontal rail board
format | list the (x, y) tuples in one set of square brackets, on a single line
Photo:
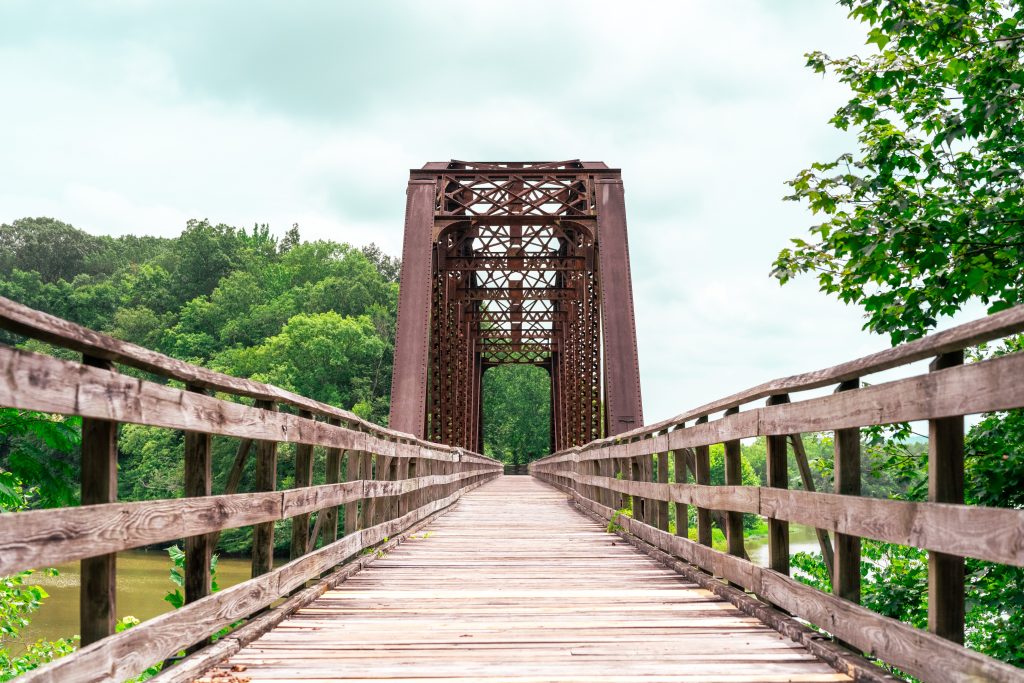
[(995, 326), (987, 386), (33, 381), (41, 538), (130, 652), (984, 533), (919, 653), (29, 322)]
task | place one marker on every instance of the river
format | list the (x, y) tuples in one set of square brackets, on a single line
[(143, 579), (802, 539)]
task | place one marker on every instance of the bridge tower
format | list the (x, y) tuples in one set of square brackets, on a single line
[(515, 263)]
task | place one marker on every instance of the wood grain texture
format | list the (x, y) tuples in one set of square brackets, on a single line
[(98, 588), (919, 653), (846, 569), (946, 572), (996, 326), (992, 534), (985, 386), (128, 653), (64, 333), (33, 381), (479, 599), (198, 483)]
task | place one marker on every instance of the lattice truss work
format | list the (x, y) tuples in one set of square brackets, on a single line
[(513, 278)]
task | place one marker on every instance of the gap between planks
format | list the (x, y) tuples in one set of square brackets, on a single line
[(514, 585)]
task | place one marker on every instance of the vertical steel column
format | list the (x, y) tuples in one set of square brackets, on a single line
[(409, 385), (623, 402)]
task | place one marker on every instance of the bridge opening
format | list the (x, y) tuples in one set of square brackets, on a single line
[(516, 415)]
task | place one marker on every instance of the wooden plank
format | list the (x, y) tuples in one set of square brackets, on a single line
[(368, 506), (266, 480), (702, 477), (300, 542), (474, 603), (38, 325), (946, 606), (846, 572), (991, 534), (919, 653), (990, 385), (778, 477), (353, 472), (198, 483), (98, 589), (681, 459), (38, 538), (128, 653), (36, 382), (661, 505), (995, 326), (733, 464), (329, 527)]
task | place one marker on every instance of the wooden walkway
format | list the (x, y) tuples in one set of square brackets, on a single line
[(515, 585)]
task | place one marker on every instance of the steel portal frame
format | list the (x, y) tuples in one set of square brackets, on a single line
[(515, 262)]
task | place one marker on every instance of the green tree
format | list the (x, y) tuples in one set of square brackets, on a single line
[(927, 213), (516, 413), (24, 436), (46, 246)]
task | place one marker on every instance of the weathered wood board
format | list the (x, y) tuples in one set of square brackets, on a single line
[(515, 585)]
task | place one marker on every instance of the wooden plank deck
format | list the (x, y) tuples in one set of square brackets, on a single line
[(514, 585)]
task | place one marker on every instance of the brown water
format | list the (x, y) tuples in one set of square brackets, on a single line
[(802, 539), (143, 579)]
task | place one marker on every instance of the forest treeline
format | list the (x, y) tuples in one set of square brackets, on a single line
[(314, 317)]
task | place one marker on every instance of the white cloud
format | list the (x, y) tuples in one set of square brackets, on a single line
[(125, 117)]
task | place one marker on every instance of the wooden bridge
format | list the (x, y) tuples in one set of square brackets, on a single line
[(417, 559), (425, 563)]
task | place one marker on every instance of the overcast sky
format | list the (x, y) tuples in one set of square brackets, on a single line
[(127, 116)]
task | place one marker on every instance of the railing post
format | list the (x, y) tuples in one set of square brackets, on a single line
[(778, 477), (303, 478), (946, 485), (682, 510), (353, 472), (647, 472), (369, 505), (637, 502), (198, 482), (266, 480), (663, 479), (702, 475), (401, 473), (382, 507), (329, 528), (733, 461), (98, 588), (846, 581)]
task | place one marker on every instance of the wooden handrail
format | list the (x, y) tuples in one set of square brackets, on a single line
[(34, 324), (995, 326), (606, 474), (395, 481)]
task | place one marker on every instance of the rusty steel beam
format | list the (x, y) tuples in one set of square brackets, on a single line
[(525, 263), (516, 263), (623, 405)]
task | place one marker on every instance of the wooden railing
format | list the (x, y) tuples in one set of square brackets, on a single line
[(607, 475), (392, 482)]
